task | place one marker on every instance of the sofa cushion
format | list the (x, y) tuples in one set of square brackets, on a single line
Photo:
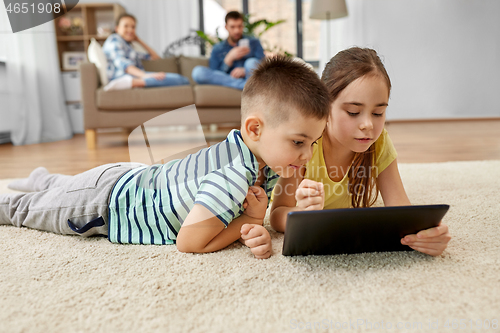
[(167, 65), (98, 58), (186, 65), (145, 98), (207, 95)]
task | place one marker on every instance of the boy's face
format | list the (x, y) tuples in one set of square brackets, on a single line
[(288, 146)]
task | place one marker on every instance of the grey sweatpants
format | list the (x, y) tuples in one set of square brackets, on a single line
[(71, 205)]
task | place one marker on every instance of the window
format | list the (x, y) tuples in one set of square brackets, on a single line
[(310, 34), (298, 35), (230, 5), (283, 36)]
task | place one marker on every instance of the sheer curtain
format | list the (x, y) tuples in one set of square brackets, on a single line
[(35, 107)]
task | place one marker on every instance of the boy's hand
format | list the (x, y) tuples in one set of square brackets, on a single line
[(255, 203), (431, 241), (310, 195), (257, 238)]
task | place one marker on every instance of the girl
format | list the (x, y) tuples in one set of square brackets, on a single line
[(125, 69), (355, 157)]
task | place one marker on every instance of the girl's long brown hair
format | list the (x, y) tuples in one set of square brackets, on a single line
[(345, 67)]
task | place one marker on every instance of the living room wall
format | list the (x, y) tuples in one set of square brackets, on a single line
[(161, 22), (5, 119), (442, 56)]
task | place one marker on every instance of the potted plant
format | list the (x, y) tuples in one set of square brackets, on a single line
[(253, 29)]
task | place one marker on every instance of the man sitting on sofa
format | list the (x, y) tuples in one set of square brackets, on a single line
[(233, 60)]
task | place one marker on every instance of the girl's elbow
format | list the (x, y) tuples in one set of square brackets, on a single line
[(276, 222)]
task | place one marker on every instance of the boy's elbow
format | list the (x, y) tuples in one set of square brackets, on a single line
[(189, 247), (186, 246)]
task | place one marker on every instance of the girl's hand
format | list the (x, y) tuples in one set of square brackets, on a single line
[(255, 204), (310, 195), (431, 241), (257, 238)]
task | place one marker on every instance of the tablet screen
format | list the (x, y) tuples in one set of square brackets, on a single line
[(357, 230)]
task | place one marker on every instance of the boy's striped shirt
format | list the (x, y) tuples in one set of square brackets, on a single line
[(149, 204)]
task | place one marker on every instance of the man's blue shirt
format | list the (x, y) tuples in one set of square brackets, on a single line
[(221, 49)]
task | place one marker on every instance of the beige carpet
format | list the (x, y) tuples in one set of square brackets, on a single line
[(53, 283)]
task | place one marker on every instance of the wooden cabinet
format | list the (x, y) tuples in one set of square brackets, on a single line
[(76, 28)]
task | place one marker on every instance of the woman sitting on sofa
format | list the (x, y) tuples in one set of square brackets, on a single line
[(125, 69)]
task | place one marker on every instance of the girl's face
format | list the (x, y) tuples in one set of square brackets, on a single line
[(126, 28), (358, 113)]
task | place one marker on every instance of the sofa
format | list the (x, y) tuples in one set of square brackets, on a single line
[(132, 107)]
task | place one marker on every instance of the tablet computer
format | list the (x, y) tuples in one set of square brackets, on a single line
[(357, 230)]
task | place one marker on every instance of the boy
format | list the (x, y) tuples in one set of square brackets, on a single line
[(203, 202)]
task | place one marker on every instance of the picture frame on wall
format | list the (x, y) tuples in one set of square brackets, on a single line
[(71, 60)]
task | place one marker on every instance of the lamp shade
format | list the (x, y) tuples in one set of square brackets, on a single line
[(327, 9)]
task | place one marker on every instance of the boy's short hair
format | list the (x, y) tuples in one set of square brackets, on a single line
[(281, 84), (233, 15)]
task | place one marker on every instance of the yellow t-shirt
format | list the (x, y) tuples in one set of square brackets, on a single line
[(336, 193)]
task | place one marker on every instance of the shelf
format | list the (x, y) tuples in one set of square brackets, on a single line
[(70, 38), (97, 6), (79, 38), (97, 37), (95, 21)]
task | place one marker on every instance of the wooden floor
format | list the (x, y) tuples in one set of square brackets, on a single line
[(416, 142)]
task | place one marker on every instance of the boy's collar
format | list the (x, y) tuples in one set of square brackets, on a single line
[(265, 168)]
